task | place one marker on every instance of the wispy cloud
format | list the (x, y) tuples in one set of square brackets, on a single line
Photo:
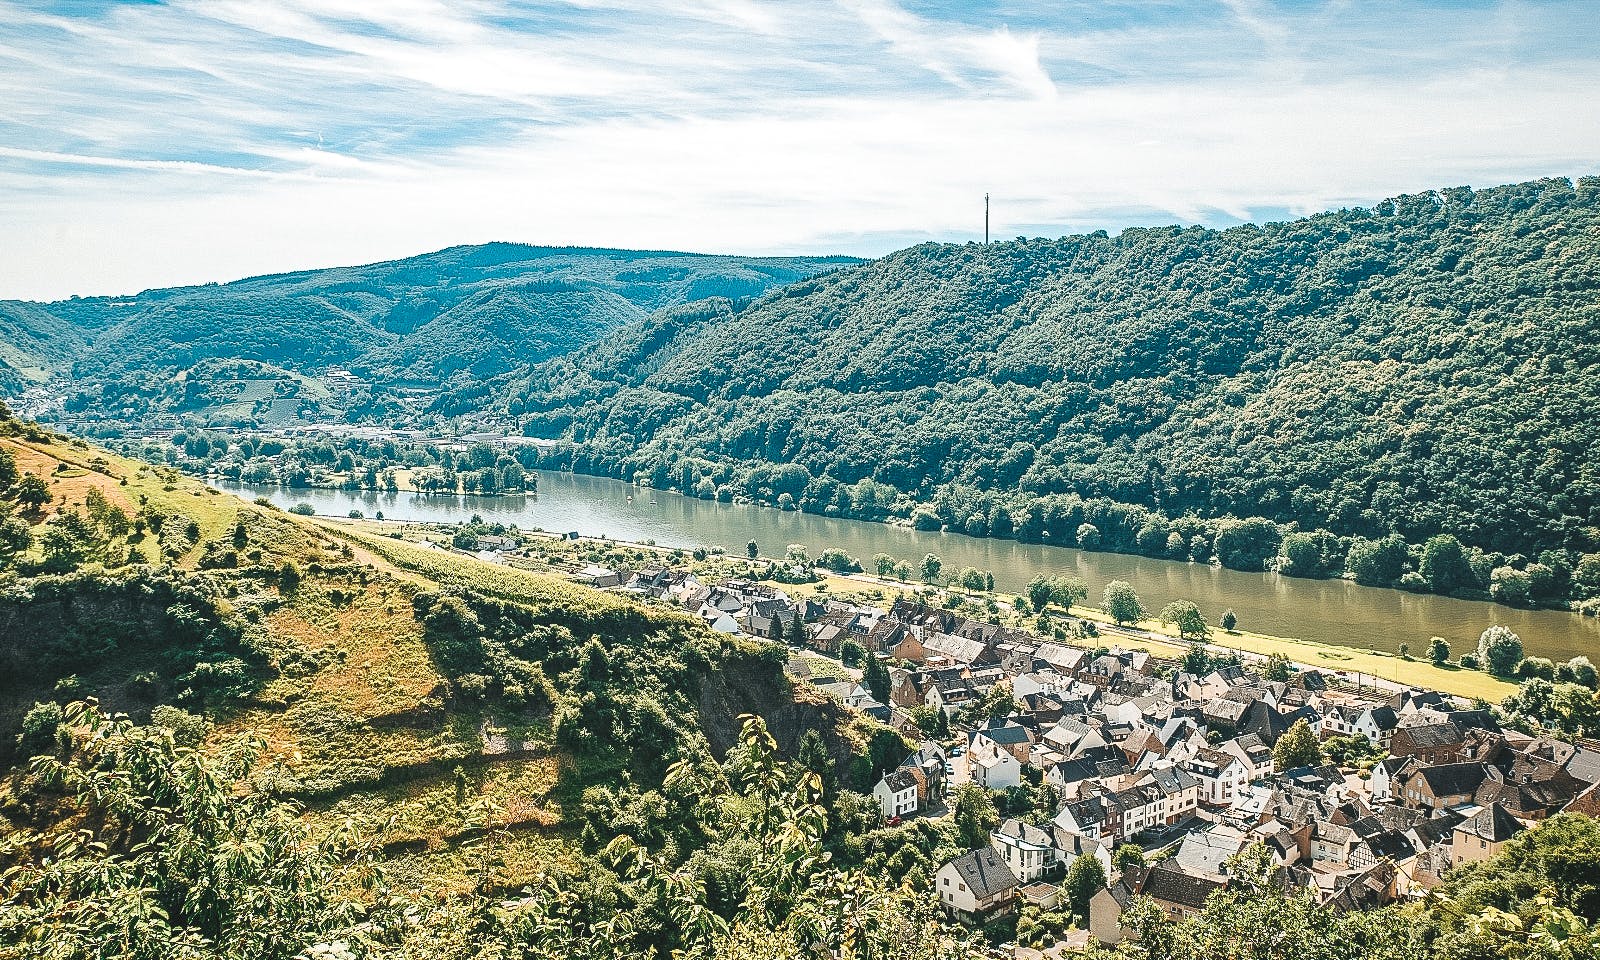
[(146, 144)]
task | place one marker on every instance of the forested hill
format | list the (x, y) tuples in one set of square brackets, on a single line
[(1426, 365), (464, 312)]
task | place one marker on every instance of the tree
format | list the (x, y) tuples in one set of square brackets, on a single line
[(1129, 855), (1122, 603), (1228, 620), (1277, 668), (1085, 878), (1187, 618), (884, 564), (975, 815), (1580, 671), (1088, 536), (15, 537), (1039, 592), (1066, 591), (1439, 650), (930, 567), (1500, 651), (797, 631), (1247, 544), (1405, 651), (1510, 586), (876, 678), (751, 550), (1377, 562), (812, 755), (851, 653), (33, 493), (166, 858), (1196, 660), (1444, 564), (1297, 747)]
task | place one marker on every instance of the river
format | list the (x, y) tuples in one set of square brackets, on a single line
[(1328, 611)]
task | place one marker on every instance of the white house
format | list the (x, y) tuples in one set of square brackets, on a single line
[(1221, 776), (897, 794), (975, 885), (1032, 852), (995, 770)]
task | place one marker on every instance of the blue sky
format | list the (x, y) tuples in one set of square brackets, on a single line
[(148, 144)]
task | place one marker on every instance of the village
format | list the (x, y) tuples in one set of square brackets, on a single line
[(1162, 770), (1184, 766)]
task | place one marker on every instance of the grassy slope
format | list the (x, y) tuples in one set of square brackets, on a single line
[(356, 715)]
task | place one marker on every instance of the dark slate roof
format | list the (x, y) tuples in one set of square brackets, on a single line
[(900, 781), (984, 873), (1431, 736), (1492, 823), (1006, 734), (1172, 886), (1450, 779)]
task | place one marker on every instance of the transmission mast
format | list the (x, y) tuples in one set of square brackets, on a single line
[(986, 219)]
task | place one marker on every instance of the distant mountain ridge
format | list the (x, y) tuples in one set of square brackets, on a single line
[(468, 311), (1426, 365)]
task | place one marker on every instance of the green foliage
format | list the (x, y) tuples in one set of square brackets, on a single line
[(1500, 650), (1538, 900), (975, 815), (875, 676), (1165, 377), (1085, 877), (1228, 620), (1184, 615), (1254, 918), (1439, 650), (1297, 747), (1121, 603), (174, 862)]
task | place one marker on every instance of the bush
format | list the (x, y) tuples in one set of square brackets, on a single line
[(39, 727), (187, 728), (303, 510), (1469, 661)]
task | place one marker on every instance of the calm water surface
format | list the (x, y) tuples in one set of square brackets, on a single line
[(1330, 611)]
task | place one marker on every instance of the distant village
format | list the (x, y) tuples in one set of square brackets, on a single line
[(1141, 752)]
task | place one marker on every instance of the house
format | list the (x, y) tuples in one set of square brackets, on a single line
[(976, 886), (1033, 852), (1384, 775), (1482, 835), (995, 771), (926, 766), (1221, 776), (896, 793), (1440, 786), (1429, 742), (1176, 893), (1254, 751), (1180, 793), (598, 577), (1002, 736)]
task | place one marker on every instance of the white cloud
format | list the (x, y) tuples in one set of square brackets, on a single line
[(218, 140)]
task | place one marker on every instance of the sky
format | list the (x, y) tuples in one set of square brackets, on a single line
[(152, 144)]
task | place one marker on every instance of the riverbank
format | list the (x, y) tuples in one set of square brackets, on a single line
[(1359, 666), (1330, 612)]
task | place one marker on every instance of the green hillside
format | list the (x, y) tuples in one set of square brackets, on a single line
[(464, 312), (469, 729), (1423, 367)]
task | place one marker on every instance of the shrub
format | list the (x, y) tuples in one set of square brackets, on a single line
[(39, 728)]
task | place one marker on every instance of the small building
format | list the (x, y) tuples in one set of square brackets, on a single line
[(1482, 835), (976, 886), (896, 793)]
